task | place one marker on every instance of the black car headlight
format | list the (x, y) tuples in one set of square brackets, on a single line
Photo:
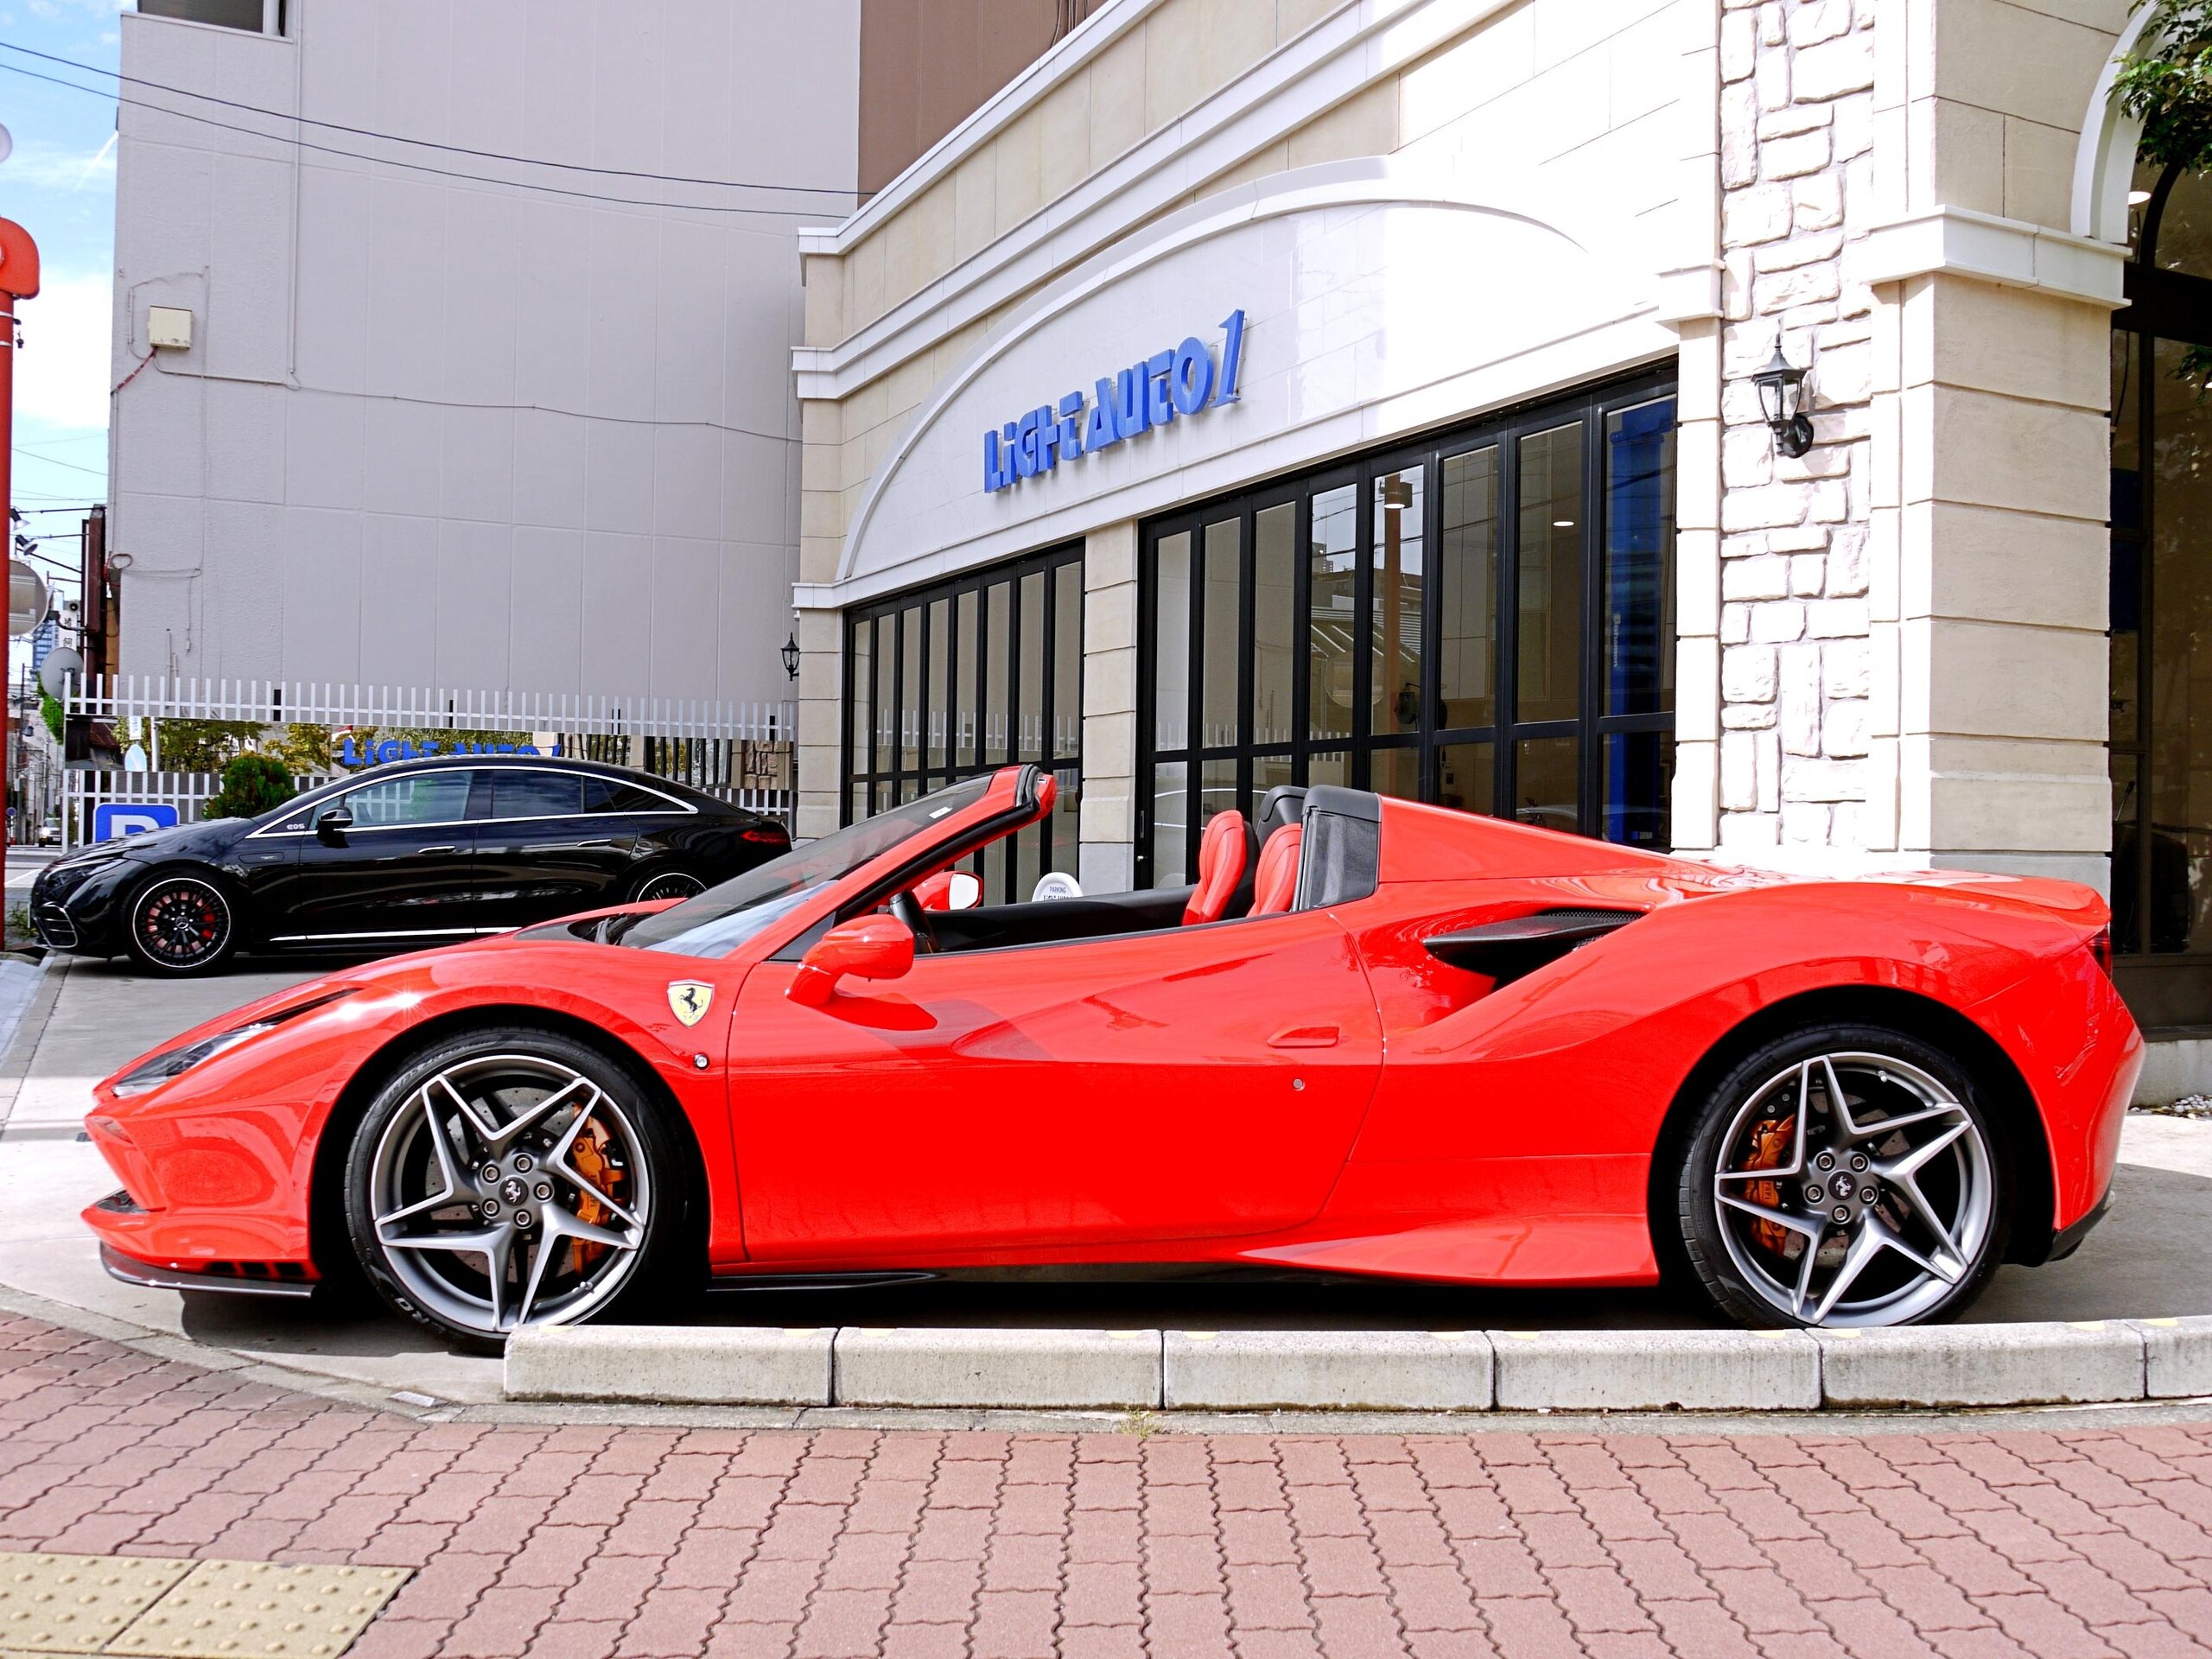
[(175, 1062)]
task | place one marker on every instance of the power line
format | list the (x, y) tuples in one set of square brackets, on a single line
[(48, 460), (411, 166), (427, 143)]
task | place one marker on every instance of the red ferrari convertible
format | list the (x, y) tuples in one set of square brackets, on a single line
[(1379, 1038)]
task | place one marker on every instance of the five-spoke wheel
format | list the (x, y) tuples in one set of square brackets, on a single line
[(181, 924), (1843, 1177), (509, 1179)]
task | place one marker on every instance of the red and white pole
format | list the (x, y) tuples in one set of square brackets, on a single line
[(18, 280)]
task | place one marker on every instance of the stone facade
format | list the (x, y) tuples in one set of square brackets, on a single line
[(1797, 183)]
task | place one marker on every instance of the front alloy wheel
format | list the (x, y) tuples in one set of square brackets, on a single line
[(181, 924), (670, 884), (1846, 1178), (516, 1178)]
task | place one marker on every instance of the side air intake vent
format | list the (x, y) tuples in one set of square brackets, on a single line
[(1512, 949)]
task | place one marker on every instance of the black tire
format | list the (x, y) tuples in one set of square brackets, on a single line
[(502, 1073), (668, 881), (1926, 1242), (182, 922)]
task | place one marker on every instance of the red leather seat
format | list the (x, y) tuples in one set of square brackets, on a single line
[(1276, 885), (1221, 867)]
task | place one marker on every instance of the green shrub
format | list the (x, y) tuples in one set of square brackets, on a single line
[(252, 784)]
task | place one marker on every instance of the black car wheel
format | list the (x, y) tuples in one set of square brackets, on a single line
[(515, 1177), (1845, 1175), (668, 884), (182, 924)]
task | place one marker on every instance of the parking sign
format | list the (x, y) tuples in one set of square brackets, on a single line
[(113, 820)]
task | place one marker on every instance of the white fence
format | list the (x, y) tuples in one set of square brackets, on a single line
[(742, 753)]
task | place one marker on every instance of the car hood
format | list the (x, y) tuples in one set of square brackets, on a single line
[(186, 838)]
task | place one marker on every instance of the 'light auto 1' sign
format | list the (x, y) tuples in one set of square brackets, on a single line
[(1182, 381), (399, 748)]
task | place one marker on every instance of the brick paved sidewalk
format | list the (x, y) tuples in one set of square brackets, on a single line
[(602, 1540)]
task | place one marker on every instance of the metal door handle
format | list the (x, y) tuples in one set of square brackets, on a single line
[(1303, 1037), (432, 852)]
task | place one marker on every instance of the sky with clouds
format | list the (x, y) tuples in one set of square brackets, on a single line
[(59, 185)]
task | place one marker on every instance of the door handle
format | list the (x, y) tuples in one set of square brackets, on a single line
[(433, 852), (1303, 1037)]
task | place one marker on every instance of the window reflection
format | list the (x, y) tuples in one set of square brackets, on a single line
[(1371, 644), (1330, 616), (2181, 658), (938, 695), (1274, 621), (1548, 631), (1395, 627), (1468, 575)]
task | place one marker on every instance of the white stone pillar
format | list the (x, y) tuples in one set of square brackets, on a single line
[(1107, 854)]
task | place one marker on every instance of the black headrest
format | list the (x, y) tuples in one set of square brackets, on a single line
[(1284, 803)]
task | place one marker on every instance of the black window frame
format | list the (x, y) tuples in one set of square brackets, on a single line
[(1504, 430), (885, 785)]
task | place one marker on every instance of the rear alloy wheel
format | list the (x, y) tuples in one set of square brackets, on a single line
[(514, 1178), (668, 884), (1844, 1177), (181, 924)]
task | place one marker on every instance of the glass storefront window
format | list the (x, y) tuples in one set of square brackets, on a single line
[(2160, 662), (1275, 624), (1547, 583), (1171, 637), (1467, 655), (1402, 566), (1639, 605), (1332, 580), (1217, 721), (950, 680), (1395, 623)]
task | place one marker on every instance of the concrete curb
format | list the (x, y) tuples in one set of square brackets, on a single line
[(1945, 1366)]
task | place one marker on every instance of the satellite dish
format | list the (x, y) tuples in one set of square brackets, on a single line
[(7, 144), (28, 599), (61, 665)]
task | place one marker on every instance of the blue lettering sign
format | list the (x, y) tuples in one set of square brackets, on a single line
[(399, 749), (1182, 381)]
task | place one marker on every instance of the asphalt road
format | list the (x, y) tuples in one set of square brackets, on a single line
[(86, 1019)]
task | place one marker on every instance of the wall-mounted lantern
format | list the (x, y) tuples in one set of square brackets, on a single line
[(1782, 399), (790, 654)]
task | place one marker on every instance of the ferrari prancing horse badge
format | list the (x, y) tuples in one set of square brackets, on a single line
[(688, 1000)]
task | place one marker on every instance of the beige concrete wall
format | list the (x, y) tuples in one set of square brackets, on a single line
[(1989, 546)]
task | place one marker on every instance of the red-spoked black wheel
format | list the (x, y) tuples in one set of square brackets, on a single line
[(181, 924)]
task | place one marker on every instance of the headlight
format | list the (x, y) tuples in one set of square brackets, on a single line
[(175, 1062)]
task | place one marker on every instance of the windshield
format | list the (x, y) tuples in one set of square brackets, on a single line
[(721, 919)]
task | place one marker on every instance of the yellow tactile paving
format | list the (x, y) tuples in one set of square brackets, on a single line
[(77, 1603), (185, 1610), (224, 1608)]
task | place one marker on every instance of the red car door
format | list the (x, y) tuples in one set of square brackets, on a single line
[(1191, 1082)]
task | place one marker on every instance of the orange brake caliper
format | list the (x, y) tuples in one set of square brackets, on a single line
[(1770, 1142), (593, 1163)]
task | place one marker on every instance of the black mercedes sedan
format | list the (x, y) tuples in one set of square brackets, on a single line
[(415, 854)]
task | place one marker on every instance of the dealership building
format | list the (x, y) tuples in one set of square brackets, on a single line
[(1261, 391), (1212, 394)]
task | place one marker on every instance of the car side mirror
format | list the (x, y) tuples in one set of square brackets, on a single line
[(871, 947), (950, 890), (330, 828)]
